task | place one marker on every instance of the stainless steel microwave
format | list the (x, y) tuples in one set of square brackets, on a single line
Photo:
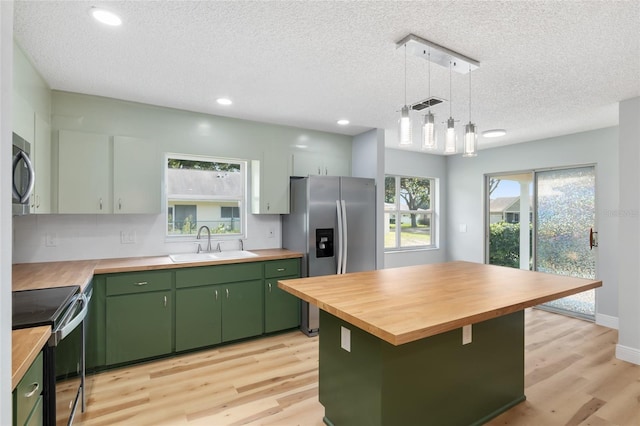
[(23, 176)]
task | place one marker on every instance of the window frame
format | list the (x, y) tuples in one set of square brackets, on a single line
[(397, 211), (241, 200)]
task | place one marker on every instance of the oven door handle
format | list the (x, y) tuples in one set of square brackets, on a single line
[(68, 326)]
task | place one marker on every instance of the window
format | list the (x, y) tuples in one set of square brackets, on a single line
[(205, 191), (408, 212)]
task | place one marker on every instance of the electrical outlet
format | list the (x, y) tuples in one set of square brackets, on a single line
[(345, 339), (50, 239), (466, 334), (127, 237)]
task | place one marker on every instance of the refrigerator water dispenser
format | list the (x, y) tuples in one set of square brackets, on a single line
[(324, 242)]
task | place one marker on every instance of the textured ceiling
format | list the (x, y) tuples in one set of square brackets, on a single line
[(547, 68)]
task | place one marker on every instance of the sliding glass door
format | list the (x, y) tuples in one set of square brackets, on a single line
[(541, 220), (565, 214)]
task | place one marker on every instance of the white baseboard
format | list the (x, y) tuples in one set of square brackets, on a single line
[(607, 321), (628, 354)]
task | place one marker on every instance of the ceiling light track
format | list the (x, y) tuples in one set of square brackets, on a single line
[(438, 54)]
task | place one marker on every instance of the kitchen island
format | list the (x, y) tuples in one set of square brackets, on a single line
[(439, 344)]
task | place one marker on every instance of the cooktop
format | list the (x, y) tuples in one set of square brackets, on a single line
[(43, 306)]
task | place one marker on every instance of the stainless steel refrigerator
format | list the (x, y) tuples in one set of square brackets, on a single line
[(333, 222)]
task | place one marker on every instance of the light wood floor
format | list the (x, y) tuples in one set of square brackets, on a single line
[(571, 378)]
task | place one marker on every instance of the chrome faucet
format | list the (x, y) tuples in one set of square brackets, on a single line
[(208, 238)]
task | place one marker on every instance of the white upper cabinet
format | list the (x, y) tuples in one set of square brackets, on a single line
[(318, 163), (98, 176), (41, 153), (270, 184), (23, 115), (137, 176), (84, 173)]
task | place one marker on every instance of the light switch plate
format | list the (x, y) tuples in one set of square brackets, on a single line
[(345, 339)]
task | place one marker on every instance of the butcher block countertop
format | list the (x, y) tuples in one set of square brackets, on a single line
[(402, 305), (26, 343), (28, 276), (25, 347)]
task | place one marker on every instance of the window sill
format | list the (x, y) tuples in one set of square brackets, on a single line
[(409, 250)]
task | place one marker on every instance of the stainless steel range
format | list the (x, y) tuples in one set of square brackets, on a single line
[(65, 310)]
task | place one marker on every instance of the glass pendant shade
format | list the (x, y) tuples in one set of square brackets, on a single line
[(405, 127), (429, 132), (450, 137), (470, 140)]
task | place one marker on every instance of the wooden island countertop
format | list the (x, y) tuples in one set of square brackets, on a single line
[(402, 305)]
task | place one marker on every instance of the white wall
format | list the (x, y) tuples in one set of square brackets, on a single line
[(628, 347), (98, 236), (368, 158), (411, 163), (6, 124), (466, 198)]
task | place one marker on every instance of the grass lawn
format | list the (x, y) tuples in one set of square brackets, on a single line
[(409, 237)]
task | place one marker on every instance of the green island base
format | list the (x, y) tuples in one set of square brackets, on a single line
[(433, 381)]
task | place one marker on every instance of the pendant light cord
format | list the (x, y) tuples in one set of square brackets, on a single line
[(429, 72), (405, 74), (469, 93), (450, 91)]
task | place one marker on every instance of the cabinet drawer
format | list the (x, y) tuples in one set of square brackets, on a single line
[(206, 275), (28, 391), (282, 268), (138, 282)]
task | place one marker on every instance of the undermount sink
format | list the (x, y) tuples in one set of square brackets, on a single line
[(233, 254), (207, 257), (191, 257)]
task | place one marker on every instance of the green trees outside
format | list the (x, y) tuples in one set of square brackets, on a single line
[(504, 244), (416, 193)]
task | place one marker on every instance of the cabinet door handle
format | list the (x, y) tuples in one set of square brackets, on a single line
[(227, 293), (165, 301), (141, 283), (119, 203), (319, 171), (281, 269), (268, 207), (269, 287), (216, 294), (326, 171), (34, 388), (100, 203), (37, 201)]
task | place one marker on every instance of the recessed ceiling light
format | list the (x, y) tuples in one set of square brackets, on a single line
[(494, 133), (343, 122), (224, 101), (106, 17)]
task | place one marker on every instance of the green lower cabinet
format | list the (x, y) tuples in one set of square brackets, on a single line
[(242, 310), (198, 317), (281, 309), (27, 396), (138, 326)]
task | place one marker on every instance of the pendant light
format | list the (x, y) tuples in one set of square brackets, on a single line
[(429, 140), (404, 124), (470, 134), (450, 136)]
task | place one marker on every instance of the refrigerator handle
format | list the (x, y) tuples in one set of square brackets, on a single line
[(345, 240), (340, 239)]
